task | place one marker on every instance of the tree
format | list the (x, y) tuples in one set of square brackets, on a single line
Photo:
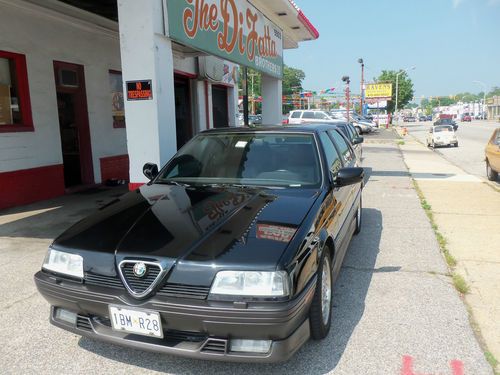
[(405, 88), (292, 80), (495, 91)]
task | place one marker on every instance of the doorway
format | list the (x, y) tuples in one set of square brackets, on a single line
[(220, 106), (183, 123), (73, 124)]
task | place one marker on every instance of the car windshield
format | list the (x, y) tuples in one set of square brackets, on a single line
[(447, 121), (260, 159), (445, 128)]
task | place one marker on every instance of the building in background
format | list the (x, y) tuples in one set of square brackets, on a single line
[(493, 107), (85, 99)]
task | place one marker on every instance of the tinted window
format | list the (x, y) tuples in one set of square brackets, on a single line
[(295, 115), (331, 154), (343, 147), (497, 142), (263, 159), (308, 115), (343, 129)]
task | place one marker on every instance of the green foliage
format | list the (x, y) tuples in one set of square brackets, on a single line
[(405, 88), (292, 80), (495, 91)]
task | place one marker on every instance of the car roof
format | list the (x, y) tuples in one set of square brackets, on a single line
[(309, 128)]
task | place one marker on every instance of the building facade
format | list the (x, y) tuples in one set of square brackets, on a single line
[(86, 100)]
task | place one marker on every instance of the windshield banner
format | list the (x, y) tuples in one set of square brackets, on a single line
[(231, 29)]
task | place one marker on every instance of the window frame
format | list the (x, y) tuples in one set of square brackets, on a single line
[(21, 71)]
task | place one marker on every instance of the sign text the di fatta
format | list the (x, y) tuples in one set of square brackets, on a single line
[(378, 90), (232, 29)]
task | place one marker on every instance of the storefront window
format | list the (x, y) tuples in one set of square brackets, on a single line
[(15, 111), (118, 107)]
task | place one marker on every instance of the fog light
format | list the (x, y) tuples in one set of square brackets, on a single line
[(66, 316), (250, 346)]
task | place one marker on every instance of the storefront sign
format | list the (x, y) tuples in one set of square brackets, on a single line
[(139, 90), (378, 90), (232, 29)]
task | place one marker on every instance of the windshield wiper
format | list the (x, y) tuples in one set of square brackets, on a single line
[(171, 182)]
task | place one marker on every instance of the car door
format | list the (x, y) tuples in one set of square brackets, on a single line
[(348, 160)]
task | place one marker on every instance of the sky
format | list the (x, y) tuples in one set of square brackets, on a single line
[(451, 43)]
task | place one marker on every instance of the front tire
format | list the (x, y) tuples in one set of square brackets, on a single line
[(320, 314), (359, 216), (490, 173)]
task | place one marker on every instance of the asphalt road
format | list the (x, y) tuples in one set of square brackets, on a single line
[(472, 138), (395, 310)]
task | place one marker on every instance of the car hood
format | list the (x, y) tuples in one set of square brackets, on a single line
[(191, 229)]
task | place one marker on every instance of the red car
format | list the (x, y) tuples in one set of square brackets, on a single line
[(466, 118)]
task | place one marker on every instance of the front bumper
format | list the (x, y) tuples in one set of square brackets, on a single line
[(194, 329)]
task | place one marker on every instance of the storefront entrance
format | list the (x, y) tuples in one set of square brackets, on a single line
[(220, 106), (73, 124), (183, 123)]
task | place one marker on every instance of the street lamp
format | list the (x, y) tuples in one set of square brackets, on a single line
[(360, 60), (397, 85), (484, 95), (347, 94)]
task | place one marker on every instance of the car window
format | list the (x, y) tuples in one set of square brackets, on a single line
[(320, 116), (308, 114), (295, 114), (343, 148), (331, 153), (262, 159), (352, 133)]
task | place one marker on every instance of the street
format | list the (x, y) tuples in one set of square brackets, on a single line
[(472, 138), (395, 308)]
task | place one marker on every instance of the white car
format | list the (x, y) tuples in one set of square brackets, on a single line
[(442, 135), (302, 116)]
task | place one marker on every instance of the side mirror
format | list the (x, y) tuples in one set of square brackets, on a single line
[(150, 170), (357, 140), (349, 176)]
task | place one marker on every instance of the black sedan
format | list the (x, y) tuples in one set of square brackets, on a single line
[(229, 253)]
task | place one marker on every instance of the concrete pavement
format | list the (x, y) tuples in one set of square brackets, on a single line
[(467, 212), (395, 310)]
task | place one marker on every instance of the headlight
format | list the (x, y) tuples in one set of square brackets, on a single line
[(251, 283), (64, 263)]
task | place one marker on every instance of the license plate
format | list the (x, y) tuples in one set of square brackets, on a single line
[(138, 321)]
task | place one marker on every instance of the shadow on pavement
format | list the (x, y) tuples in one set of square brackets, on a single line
[(315, 357), (48, 219)]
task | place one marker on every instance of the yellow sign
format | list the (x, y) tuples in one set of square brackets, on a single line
[(378, 90)]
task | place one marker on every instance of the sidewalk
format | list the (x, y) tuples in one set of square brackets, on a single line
[(467, 213)]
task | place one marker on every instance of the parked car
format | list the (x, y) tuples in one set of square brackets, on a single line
[(492, 153), (301, 116), (409, 119), (230, 252), (422, 118), (466, 118), (429, 117), (446, 121), (442, 135), (254, 120), (351, 134)]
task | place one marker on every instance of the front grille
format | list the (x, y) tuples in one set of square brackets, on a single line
[(140, 284), (215, 346), (167, 290), (185, 336), (82, 322), (102, 280), (184, 291)]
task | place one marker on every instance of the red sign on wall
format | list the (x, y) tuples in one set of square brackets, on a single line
[(139, 90)]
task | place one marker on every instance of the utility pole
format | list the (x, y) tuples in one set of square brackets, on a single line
[(362, 86), (347, 94), (245, 95)]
